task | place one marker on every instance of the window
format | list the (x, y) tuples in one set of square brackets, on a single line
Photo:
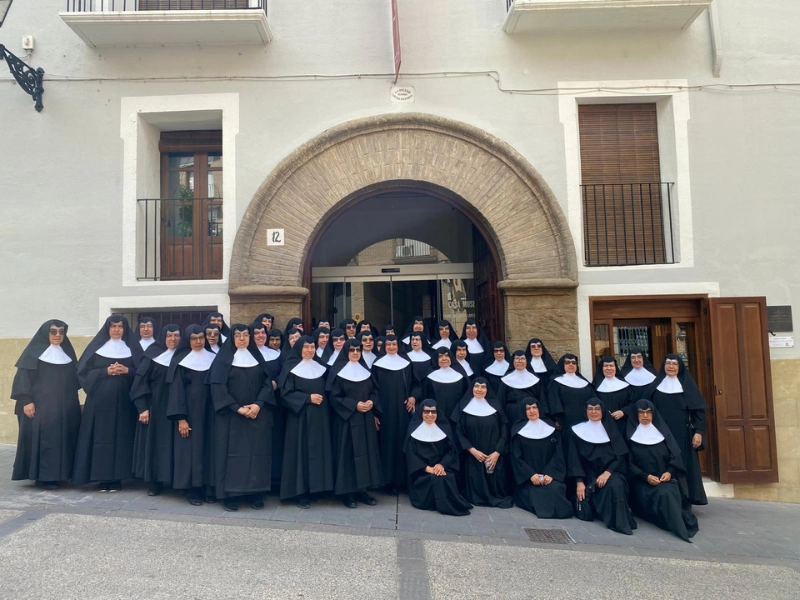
[(162, 317), (190, 207), (626, 206)]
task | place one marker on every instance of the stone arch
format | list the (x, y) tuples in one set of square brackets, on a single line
[(502, 190)]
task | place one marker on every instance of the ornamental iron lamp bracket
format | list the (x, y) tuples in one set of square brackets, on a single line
[(28, 78)]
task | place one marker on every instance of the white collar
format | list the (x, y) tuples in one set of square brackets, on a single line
[(418, 356), (55, 355), (320, 351), (670, 385), (333, 356), (612, 384), (536, 430), (406, 340), (498, 367), (592, 432), (428, 433), (393, 362), (146, 343), (243, 358), (479, 407), (308, 368), (649, 435), (369, 358), (269, 354), (639, 376), (164, 358), (354, 371), (520, 380), (114, 349), (474, 346), (442, 344), (537, 364), (445, 375), (572, 380), (198, 360), (214, 348), (466, 367), (222, 337)]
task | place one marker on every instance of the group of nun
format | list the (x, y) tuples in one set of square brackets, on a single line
[(231, 413)]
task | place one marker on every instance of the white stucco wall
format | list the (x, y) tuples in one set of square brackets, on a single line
[(64, 245)]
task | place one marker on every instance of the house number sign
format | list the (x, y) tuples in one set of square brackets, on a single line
[(275, 237)]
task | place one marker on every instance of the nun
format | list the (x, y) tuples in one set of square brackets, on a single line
[(363, 325), (460, 351), (45, 388), (393, 377), (518, 388), (104, 452), (213, 335), (334, 347), (612, 389), (294, 323), (367, 346), (446, 382), (292, 336), (539, 359), (349, 328), (241, 391), (388, 329), (431, 453), (259, 332), (567, 394), (683, 408), (657, 474), (142, 338), (638, 371), (477, 344), (537, 460), (420, 355), (321, 336), (446, 335), (154, 439), (216, 318), (598, 460), (499, 367), (323, 324), (275, 339), (265, 319), (417, 326), (307, 449), (355, 428), (192, 413), (482, 431)]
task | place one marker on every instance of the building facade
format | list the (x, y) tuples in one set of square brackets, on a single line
[(596, 173)]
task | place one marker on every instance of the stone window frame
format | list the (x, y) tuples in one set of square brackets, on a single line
[(672, 104)]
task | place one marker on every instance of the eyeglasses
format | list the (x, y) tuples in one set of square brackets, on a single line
[(54, 331), (535, 345), (570, 361), (241, 335), (593, 408), (671, 363), (429, 412), (350, 327)]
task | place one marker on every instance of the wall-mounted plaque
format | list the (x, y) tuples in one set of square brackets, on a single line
[(779, 318)]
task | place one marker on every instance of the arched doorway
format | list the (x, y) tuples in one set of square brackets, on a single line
[(536, 266), (401, 250)]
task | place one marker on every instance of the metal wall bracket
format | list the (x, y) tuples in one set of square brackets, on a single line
[(28, 78)]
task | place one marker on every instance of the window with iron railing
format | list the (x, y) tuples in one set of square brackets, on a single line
[(627, 209), (134, 5)]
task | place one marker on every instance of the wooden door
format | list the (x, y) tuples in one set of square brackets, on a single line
[(487, 301), (745, 421)]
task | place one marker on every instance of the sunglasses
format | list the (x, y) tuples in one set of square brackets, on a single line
[(534, 345), (570, 361), (428, 412)]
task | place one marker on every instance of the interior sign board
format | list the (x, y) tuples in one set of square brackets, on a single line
[(779, 318), (275, 237), (781, 341)]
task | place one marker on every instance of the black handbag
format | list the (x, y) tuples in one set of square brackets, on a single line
[(583, 508)]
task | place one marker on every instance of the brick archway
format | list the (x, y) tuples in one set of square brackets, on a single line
[(503, 191)]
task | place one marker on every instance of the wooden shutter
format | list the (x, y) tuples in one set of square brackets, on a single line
[(743, 390), (621, 184)]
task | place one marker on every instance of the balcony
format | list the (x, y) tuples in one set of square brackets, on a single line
[(626, 224), (102, 23), (547, 16)]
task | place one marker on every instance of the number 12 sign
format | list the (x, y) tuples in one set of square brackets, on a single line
[(275, 237)]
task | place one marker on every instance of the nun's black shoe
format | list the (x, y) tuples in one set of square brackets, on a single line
[(365, 498), (195, 500), (103, 486), (209, 500), (115, 486), (302, 502), (155, 489), (47, 485), (349, 501), (230, 505), (393, 491), (257, 504)]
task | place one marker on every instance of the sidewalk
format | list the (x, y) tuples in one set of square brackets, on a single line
[(765, 532)]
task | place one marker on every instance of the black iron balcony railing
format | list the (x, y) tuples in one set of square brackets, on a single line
[(179, 239), (627, 224), (135, 5)]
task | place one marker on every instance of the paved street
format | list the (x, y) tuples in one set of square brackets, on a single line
[(77, 543)]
